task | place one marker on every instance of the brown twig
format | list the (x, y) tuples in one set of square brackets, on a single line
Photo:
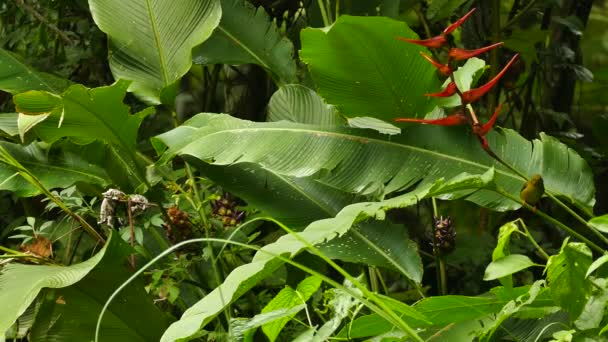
[(42, 19)]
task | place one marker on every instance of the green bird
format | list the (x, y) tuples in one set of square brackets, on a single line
[(533, 190)]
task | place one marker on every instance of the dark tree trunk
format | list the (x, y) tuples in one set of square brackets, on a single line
[(560, 76)]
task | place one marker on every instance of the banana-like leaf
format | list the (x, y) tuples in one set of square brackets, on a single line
[(17, 77), (151, 41), (359, 66), (247, 35), (264, 263), (297, 103), (55, 171), (86, 115), (366, 162), (297, 202)]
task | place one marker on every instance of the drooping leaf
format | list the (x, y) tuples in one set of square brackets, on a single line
[(288, 298), (378, 244), (359, 66), (150, 41), (70, 313), (90, 114), (20, 284), (58, 170), (248, 35), (244, 277), (368, 163), (507, 265), (296, 202), (566, 277), (297, 103), (8, 123), (17, 77)]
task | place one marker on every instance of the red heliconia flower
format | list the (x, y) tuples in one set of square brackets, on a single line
[(443, 68), (481, 130), (474, 94), (449, 90), (485, 128), (462, 54), (458, 22), (439, 41), (432, 43), (450, 120)]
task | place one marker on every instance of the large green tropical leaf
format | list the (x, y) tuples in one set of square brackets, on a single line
[(297, 202), (70, 313), (297, 103), (248, 35), (151, 41), (359, 66), (17, 77), (86, 115), (264, 263), (367, 162), (59, 170)]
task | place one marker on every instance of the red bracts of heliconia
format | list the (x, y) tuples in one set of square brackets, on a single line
[(474, 94), (450, 120), (462, 54), (432, 43), (457, 23), (449, 90), (485, 128), (439, 41), (443, 68)]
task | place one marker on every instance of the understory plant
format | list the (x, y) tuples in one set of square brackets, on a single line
[(243, 177)]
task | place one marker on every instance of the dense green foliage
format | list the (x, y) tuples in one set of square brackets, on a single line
[(231, 170)]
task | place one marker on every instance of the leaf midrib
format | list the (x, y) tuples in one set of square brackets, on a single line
[(356, 137), (159, 47)]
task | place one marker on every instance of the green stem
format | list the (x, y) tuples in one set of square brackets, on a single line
[(550, 219), (323, 12), (442, 273), (531, 238), (439, 262), (200, 206), (578, 217)]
